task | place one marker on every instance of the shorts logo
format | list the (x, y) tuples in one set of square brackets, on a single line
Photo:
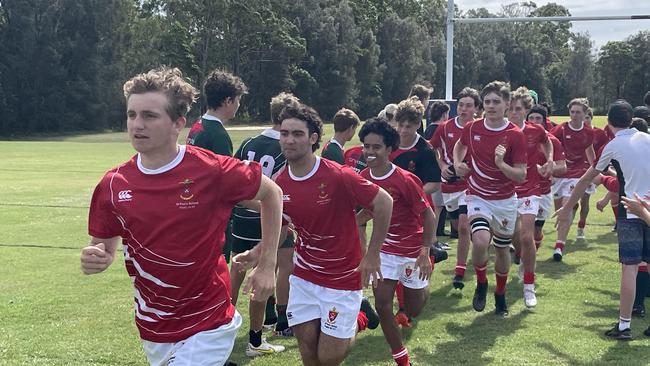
[(526, 203), (477, 209), (331, 315), (289, 315), (408, 271), (571, 187), (504, 222), (124, 196)]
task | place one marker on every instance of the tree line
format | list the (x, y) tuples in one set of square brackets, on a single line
[(63, 62)]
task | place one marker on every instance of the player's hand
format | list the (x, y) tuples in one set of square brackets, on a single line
[(635, 205), (423, 262), (601, 204), (260, 284), (461, 169), (445, 172), (242, 262), (95, 259), (545, 170), (499, 154), (370, 268)]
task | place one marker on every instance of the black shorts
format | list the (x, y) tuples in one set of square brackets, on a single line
[(633, 241), (240, 245)]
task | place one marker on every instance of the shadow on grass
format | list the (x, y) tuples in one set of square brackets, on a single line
[(620, 353)]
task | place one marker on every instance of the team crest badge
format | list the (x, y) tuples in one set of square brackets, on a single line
[(526, 203), (322, 194), (411, 167), (331, 315), (409, 271), (504, 222), (186, 193)]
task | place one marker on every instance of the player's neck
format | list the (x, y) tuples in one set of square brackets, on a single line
[(408, 142), (157, 159), (302, 166), (576, 125), (519, 124), (382, 169), (340, 138), (462, 122), (276, 127), (495, 123), (219, 113)]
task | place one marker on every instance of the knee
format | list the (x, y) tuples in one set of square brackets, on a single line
[(383, 306), (330, 357)]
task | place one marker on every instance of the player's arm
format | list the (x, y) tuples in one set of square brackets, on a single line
[(460, 151), (559, 168), (547, 169), (423, 262), (638, 206), (99, 255), (430, 187), (591, 154), (261, 281), (382, 208), (516, 172)]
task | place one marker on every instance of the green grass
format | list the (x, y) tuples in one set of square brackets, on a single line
[(51, 314)]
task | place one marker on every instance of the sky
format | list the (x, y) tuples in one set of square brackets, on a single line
[(601, 31)]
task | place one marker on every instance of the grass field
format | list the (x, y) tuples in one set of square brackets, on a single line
[(51, 314)]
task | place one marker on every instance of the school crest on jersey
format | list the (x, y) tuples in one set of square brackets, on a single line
[(331, 315), (411, 167), (323, 196), (186, 193)]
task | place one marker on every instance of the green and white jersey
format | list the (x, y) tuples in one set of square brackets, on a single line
[(333, 150), (212, 135), (264, 149)]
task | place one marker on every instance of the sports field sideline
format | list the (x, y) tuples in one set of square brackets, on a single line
[(51, 314)]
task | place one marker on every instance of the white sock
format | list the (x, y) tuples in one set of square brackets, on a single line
[(623, 323)]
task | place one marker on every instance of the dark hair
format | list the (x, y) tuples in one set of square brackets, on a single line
[(278, 103), (437, 109), (221, 85), (501, 88), (620, 114), (308, 115), (344, 119), (420, 91), (646, 98), (642, 112), (640, 124), (380, 126), (539, 109), (468, 92)]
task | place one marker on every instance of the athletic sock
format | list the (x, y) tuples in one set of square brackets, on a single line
[(582, 223), (270, 317), (399, 291), (401, 356), (282, 323), (615, 210), (255, 338), (460, 269), (623, 323), (481, 273), (502, 279), (642, 282), (362, 321), (529, 278), (559, 245)]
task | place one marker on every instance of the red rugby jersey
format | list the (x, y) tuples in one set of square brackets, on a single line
[(172, 223)]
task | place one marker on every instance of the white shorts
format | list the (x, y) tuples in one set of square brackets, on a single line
[(555, 186), (501, 214), (454, 200), (336, 309), (565, 187), (528, 205), (402, 269), (591, 189), (436, 198), (210, 347), (545, 206)]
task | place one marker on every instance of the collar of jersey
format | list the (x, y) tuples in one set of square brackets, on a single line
[(336, 142), (496, 129), (392, 169), (165, 168), (627, 131), (573, 129), (271, 133), (212, 118), (309, 175)]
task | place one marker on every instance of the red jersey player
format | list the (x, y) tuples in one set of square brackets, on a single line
[(454, 187), (496, 151), (540, 165), (180, 277), (405, 253), (577, 141), (320, 198)]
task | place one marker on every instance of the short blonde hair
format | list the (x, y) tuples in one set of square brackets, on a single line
[(583, 102), (278, 103), (169, 81), (522, 95), (410, 110)]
